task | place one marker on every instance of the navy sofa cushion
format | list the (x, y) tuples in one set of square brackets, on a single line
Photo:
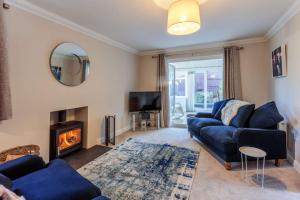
[(241, 119), (217, 109), (265, 117), (221, 137), (203, 115), (22, 166), (5, 181), (195, 124), (57, 181)]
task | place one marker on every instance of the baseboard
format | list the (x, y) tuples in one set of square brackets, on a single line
[(118, 132), (297, 166), (123, 130)]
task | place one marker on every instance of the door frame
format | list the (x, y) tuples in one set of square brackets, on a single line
[(183, 59)]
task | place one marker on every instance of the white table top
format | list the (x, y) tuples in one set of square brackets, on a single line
[(253, 152)]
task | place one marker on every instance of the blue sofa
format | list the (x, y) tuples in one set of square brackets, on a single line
[(30, 177), (255, 128)]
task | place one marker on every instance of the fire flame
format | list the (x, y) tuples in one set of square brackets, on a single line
[(69, 139)]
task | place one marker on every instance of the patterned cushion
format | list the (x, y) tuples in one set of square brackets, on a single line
[(231, 110), (217, 109), (5, 181), (6, 194)]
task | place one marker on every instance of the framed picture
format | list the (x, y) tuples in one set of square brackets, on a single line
[(279, 62)]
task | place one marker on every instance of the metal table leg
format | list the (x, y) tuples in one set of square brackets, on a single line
[(263, 174), (246, 166), (243, 175), (257, 164)]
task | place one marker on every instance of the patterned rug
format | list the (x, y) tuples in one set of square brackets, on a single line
[(136, 170)]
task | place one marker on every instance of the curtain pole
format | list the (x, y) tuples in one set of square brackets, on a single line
[(192, 54)]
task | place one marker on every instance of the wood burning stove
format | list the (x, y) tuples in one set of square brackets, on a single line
[(65, 138)]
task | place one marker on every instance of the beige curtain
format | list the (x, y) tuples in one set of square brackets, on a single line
[(232, 73), (162, 86), (5, 98)]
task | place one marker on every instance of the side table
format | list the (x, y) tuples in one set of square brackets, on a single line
[(255, 153)]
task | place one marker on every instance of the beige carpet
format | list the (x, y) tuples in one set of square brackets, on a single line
[(213, 182)]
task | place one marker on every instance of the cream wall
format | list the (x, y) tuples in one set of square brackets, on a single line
[(286, 90), (147, 73), (35, 92), (254, 70)]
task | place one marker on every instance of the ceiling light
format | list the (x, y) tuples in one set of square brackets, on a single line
[(184, 17), (165, 4)]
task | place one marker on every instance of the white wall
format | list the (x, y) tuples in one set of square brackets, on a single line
[(35, 92), (286, 90), (254, 70)]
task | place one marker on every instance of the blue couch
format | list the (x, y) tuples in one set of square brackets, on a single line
[(30, 177), (255, 128)]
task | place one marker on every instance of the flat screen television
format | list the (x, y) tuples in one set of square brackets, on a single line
[(144, 101)]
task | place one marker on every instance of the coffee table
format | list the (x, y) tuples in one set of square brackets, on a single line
[(255, 153)]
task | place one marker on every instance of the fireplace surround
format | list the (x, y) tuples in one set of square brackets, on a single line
[(65, 138)]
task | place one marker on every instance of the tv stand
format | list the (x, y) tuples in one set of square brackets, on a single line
[(135, 114)]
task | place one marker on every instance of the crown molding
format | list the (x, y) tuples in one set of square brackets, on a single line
[(288, 15), (33, 9), (207, 46)]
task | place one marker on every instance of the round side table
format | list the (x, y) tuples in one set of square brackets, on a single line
[(255, 153)]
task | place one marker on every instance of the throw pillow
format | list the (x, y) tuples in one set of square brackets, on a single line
[(8, 195), (242, 117), (231, 110), (265, 117), (217, 109), (5, 181)]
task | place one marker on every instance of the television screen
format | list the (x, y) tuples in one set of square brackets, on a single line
[(144, 101)]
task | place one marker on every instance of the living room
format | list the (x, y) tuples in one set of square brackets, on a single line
[(126, 50)]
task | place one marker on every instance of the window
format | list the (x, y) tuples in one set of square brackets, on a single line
[(208, 87), (180, 84)]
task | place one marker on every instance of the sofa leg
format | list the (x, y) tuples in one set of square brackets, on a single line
[(191, 135), (277, 162), (227, 165)]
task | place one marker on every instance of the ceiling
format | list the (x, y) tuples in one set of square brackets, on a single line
[(141, 25)]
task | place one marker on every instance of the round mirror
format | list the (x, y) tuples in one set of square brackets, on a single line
[(69, 64)]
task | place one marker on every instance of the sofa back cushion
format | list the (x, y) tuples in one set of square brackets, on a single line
[(217, 109), (5, 181), (265, 117), (242, 117)]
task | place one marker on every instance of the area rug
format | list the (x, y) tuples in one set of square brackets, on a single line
[(137, 170)]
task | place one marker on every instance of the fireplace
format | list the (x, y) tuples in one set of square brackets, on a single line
[(65, 138)]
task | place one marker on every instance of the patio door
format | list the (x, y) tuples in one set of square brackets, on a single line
[(194, 87), (171, 92)]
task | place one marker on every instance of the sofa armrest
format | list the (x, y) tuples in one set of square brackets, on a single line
[(203, 115), (20, 167), (271, 141)]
